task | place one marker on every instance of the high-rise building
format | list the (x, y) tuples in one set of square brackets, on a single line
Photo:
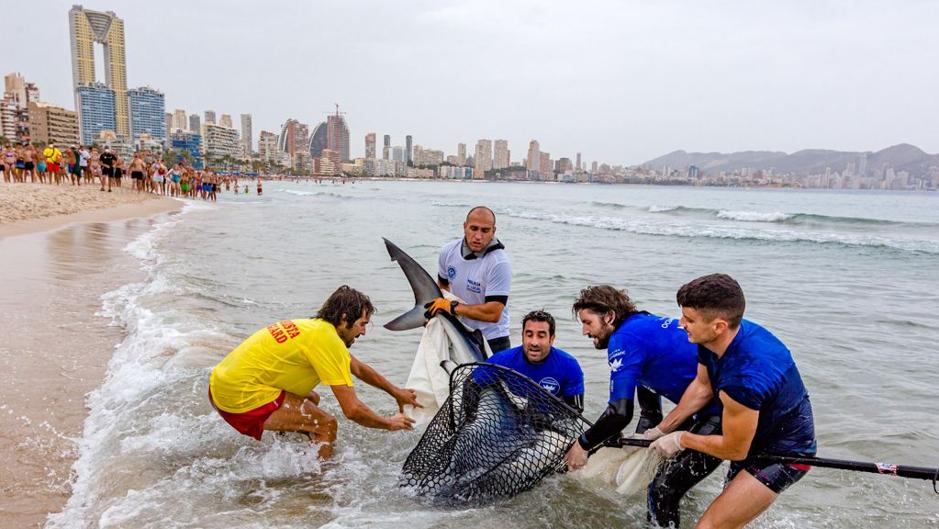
[(209, 117), (86, 28), (337, 135), (96, 111), (220, 141), (146, 108), (500, 159), (225, 121), (386, 148), (287, 141), (303, 138), (52, 124), (318, 140), (409, 147), (20, 90), (190, 142), (180, 121), (370, 146), (267, 146), (461, 154), (545, 169), (397, 153), (195, 123), (246, 134), (169, 124), (578, 162), (8, 111), (593, 167), (533, 162), (14, 116), (482, 158)]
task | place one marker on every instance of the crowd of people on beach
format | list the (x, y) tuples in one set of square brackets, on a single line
[(144, 172)]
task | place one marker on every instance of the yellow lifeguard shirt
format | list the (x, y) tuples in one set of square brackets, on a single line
[(52, 155), (290, 355)]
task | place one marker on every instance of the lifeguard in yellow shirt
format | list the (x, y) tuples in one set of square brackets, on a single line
[(267, 382)]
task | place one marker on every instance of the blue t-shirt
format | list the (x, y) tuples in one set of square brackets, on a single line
[(559, 374), (758, 371), (653, 352)]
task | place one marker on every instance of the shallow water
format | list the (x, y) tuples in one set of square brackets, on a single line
[(847, 280)]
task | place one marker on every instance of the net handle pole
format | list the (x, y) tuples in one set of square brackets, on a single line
[(903, 471)]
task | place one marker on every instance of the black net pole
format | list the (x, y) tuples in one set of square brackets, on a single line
[(903, 471)]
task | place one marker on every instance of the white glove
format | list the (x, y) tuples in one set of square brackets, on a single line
[(652, 434), (668, 445)]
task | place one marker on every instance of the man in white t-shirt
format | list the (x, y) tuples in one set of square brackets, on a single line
[(476, 269)]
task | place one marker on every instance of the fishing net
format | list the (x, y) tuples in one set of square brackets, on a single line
[(498, 434)]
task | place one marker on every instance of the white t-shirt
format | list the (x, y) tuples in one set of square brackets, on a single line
[(473, 280)]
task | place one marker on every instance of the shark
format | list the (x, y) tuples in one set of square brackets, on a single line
[(445, 344)]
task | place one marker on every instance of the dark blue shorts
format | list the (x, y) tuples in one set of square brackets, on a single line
[(776, 476)]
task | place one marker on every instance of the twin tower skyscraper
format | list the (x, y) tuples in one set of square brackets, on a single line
[(100, 106)]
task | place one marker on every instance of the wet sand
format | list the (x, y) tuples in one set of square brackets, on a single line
[(54, 349)]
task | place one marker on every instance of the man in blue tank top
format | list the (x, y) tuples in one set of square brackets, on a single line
[(556, 371), (649, 358), (766, 407)]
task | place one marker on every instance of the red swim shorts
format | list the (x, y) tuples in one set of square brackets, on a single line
[(251, 422), (52, 167)]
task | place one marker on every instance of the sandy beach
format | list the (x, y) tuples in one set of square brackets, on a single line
[(60, 250)]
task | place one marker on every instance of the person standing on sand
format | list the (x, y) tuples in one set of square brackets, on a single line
[(260, 190), (138, 171), (71, 166), (94, 163), (268, 382), (83, 158), (9, 161), (107, 160), (30, 157), (118, 169)]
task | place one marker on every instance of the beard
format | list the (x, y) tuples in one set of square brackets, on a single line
[(602, 343)]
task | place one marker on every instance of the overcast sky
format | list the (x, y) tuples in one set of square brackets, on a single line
[(620, 81)]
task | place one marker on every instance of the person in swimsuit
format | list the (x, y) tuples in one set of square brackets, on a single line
[(138, 171), (260, 190), (159, 178), (30, 156), (70, 163), (9, 161), (118, 169)]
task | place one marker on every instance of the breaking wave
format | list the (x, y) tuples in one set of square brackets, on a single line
[(644, 226)]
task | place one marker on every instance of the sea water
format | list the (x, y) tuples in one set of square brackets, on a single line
[(848, 280)]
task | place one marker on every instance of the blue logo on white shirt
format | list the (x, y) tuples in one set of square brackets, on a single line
[(451, 272), (474, 286)]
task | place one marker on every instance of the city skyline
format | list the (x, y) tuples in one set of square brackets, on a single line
[(753, 77)]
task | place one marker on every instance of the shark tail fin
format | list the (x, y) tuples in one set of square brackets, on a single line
[(424, 287)]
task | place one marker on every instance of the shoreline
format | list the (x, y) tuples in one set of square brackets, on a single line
[(55, 346), (125, 211)]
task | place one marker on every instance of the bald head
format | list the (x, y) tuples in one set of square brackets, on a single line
[(479, 228), (482, 210)]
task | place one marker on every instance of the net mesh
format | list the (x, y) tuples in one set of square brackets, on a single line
[(498, 434)]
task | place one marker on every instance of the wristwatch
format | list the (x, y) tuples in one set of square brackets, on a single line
[(453, 305)]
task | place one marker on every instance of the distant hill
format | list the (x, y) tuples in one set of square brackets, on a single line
[(902, 157)]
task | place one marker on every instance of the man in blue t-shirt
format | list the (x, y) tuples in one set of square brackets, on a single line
[(649, 358), (556, 371), (766, 407)]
